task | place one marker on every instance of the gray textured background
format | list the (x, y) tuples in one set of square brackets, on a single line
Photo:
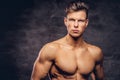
[(26, 25)]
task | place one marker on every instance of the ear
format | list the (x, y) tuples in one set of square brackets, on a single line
[(87, 21), (65, 21)]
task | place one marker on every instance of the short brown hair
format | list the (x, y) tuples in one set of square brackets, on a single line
[(77, 6)]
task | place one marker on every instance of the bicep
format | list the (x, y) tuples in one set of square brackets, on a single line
[(99, 72), (43, 63)]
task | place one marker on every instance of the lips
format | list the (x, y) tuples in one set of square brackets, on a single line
[(75, 31)]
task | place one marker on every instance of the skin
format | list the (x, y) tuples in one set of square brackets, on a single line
[(70, 58)]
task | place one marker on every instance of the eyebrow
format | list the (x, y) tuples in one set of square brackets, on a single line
[(71, 19)]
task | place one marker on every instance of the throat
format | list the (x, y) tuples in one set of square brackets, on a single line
[(74, 42)]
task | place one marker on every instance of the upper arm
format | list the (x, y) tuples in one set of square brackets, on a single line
[(99, 73), (42, 63)]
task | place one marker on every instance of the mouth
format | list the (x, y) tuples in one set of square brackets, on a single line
[(75, 31)]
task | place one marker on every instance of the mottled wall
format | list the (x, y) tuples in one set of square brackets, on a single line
[(25, 26)]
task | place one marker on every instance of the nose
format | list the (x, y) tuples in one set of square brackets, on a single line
[(76, 24)]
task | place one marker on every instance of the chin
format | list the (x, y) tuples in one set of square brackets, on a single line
[(75, 35)]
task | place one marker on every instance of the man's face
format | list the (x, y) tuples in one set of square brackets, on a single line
[(76, 23)]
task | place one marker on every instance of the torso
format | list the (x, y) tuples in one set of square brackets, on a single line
[(72, 64)]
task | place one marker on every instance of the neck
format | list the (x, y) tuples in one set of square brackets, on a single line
[(74, 42)]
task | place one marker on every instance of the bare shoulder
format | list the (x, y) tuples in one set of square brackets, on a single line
[(48, 51), (96, 52), (52, 46)]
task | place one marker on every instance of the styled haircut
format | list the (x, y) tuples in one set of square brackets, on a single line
[(77, 6)]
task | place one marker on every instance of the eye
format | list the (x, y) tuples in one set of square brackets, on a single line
[(81, 20), (71, 19)]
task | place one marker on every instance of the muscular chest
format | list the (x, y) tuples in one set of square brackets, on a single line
[(74, 61)]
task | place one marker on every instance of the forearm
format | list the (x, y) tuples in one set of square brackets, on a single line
[(93, 76)]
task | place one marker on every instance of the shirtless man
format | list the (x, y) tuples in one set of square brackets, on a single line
[(70, 58)]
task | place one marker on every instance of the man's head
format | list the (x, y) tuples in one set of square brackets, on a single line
[(77, 6), (76, 19)]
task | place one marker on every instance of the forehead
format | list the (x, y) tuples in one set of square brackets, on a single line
[(77, 15)]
